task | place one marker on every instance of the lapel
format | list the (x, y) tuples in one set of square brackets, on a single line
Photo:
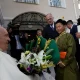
[(74, 29), (63, 33), (49, 27)]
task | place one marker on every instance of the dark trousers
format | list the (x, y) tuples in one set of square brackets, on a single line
[(16, 53), (78, 61), (77, 55)]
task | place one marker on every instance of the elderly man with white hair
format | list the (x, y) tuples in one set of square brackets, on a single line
[(8, 66)]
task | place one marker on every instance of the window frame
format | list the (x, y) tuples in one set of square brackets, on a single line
[(27, 1), (63, 4)]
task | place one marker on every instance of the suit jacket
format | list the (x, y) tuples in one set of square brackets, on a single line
[(73, 32), (13, 42), (48, 32)]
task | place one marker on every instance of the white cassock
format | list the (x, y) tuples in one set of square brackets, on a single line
[(9, 69), (46, 75)]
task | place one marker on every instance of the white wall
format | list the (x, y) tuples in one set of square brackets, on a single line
[(11, 9)]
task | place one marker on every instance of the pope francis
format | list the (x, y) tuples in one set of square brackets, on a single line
[(8, 66)]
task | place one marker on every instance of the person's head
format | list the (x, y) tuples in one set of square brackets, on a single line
[(60, 25), (16, 29), (4, 39), (69, 24), (26, 35), (49, 18), (78, 21), (9, 30), (39, 32)]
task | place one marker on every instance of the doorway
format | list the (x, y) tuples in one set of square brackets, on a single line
[(29, 22)]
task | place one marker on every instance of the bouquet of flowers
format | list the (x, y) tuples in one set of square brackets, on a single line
[(41, 55), (36, 62)]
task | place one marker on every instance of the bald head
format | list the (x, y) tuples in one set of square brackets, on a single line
[(49, 18), (2, 29), (4, 39), (49, 14)]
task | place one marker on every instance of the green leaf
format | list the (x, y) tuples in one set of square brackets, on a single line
[(49, 51), (47, 57), (21, 65)]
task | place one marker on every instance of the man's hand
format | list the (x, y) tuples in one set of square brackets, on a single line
[(61, 64), (78, 34)]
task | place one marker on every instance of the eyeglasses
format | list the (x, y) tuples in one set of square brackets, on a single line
[(50, 19)]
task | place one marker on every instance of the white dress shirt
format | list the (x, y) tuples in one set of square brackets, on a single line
[(18, 42), (52, 26)]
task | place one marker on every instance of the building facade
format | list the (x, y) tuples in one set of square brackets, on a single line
[(14, 9)]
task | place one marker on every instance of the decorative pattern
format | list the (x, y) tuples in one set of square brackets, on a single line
[(28, 1), (30, 18)]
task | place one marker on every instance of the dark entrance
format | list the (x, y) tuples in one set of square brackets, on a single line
[(29, 22), (31, 33)]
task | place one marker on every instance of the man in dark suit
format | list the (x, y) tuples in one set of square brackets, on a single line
[(74, 32), (73, 29), (16, 44), (50, 30)]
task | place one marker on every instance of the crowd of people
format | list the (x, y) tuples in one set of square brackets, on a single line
[(19, 41), (68, 68)]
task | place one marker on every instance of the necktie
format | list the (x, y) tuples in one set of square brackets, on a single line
[(52, 27)]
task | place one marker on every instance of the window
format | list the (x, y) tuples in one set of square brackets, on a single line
[(57, 3), (79, 4), (28, 1)]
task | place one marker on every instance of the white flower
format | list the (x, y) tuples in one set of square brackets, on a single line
[(28, 56), (27, 60), (39, 58), (22, 60)]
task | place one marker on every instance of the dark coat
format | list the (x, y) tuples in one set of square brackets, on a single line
[(48, 32), (73, 32), (13, 42)]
